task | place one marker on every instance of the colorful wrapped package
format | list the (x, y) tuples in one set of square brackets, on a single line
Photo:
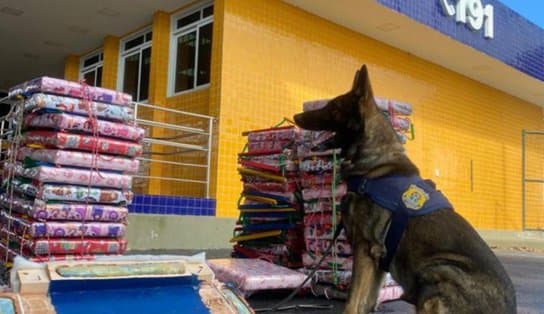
[(31, 247), (72, 193), (82, 142), (75, 176), (74, 123), (79, 106), (39, 229), (330, 262), (56, 86), (80, 159), (250, 275), (40, 210)]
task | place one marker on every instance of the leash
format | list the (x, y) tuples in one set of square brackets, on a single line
[(280, 306)]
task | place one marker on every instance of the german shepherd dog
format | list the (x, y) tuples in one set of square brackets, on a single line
[(440, 261)]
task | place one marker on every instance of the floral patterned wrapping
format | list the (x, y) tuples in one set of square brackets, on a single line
[(317, 164), (342, 263), (73, 193), (82, 142), (69, 246), (271, 186), (56, 86), (49, 174), (79, 106), (324, 192), (251, 275), (80, 159), (320, 246), (321, 205), (310, 180), (269, 146), (73, 123), (40, 210), (36, 229), (288, 133)]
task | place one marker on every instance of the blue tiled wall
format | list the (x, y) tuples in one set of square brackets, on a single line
[(517, 42), (172, 205)]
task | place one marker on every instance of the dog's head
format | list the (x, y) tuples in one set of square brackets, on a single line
[(345, 114)]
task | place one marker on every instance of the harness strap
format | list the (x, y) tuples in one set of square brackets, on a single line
[(399, 220)]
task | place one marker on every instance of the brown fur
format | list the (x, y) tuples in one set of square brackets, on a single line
[(441, 262)]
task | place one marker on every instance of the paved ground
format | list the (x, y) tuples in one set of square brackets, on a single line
[(526, 270)]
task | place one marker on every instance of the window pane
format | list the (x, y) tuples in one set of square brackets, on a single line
[(208, 11), (130, 77), (204, 54), (144, 79), (149, 36), (98, 81), (185, 62), (134, 42), (90, 61), (184, 21), (89, 78)]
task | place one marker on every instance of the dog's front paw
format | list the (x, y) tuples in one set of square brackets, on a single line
[(377, 251)]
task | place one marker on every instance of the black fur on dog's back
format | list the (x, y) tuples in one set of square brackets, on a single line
[(442, 263)]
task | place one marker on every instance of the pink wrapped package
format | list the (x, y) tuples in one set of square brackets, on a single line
[(390, 293), (72, 193), (73, 123), (82, 142), (321, 246), (321, 205), (271, 186), (323, 232), (56, 86), (317, 164), (342, 263), (48, 174), (308, 180), (287, 133), (38, 229), (40, 210), (269, 147), (80, 159), (251, 275), (324, 192), (79, 106)]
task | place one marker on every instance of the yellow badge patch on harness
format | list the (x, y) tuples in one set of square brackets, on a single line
[(414, 197)]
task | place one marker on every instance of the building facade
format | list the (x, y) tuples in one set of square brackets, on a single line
[(251, 63)]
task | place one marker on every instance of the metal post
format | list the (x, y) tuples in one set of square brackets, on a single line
[(208, 170), (523, 142)]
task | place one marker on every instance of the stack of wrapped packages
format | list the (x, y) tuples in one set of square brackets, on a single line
[(68, 184), (322, 192), (270, 225)]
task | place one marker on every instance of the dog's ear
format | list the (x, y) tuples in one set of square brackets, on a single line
[(361, 86)]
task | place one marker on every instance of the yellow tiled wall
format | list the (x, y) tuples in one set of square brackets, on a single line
[(276, 56), (71, 68), (110, 63), (268, 57)]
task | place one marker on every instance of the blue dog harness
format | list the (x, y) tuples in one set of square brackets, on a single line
[(404, 197)]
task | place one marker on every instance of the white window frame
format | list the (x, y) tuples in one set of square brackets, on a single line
[(175, 33), (93, 67), (125, 53)]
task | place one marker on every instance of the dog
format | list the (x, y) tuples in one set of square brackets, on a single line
[(400, 223)]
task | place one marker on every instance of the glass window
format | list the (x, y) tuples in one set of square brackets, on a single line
[(192, 36), (135, 66), (185, 62), (204, 54), (91, 69)]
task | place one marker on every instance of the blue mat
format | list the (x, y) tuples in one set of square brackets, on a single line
[(127, 295)]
